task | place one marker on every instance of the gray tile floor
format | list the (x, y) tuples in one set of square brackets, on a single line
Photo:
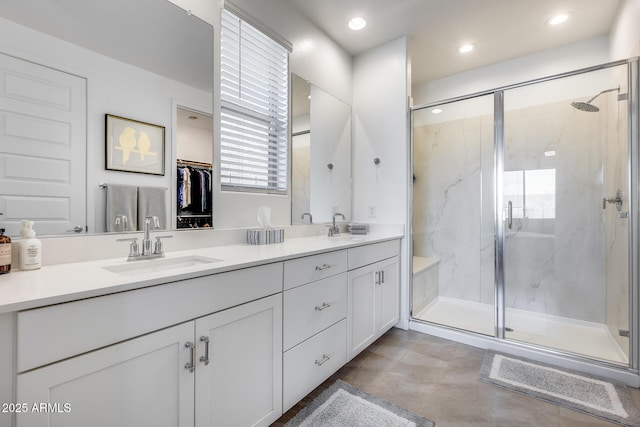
[(438, 379)]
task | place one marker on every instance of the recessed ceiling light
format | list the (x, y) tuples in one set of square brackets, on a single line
[(558, 19), (357, 23), (466, 48), (550, 153), (436, 110)]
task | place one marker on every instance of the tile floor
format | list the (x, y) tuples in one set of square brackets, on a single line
[(438, 379)]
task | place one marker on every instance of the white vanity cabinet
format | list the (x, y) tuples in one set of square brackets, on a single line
[(373, 294), (234, 347), (242, 383), (315, 310), (227, 365), (140, 382)]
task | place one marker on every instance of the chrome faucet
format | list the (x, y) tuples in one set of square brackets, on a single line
[(146, 242), (334, 230), (147, 251), (307, 214)]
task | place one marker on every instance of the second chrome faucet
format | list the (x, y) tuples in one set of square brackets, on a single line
[(334, 230)]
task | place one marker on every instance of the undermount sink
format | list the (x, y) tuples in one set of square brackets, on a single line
[(159, 264)]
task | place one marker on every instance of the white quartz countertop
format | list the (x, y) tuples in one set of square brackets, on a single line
[(20, 290)]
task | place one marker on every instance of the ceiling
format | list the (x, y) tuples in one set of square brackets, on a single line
[(500, 29)]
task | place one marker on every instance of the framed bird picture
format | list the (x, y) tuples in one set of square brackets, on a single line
[(133, 146)]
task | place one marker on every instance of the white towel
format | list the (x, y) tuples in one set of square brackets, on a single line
[(152, 201), (122, 201)]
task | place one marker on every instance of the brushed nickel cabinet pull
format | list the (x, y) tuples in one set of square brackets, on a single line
[(324, 360), (381, 276), (191, 366), (205, 358), (323, 306), (322, 267)]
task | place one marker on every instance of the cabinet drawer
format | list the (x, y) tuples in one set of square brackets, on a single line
[(307, 365), (368, 254), (311, 308), (65, 330), (309, 269)]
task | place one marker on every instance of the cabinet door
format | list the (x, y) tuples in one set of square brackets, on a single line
[(361, 315), (140, 382), (242, 383), (387, 295)]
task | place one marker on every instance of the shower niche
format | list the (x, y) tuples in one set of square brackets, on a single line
[(522, 195)]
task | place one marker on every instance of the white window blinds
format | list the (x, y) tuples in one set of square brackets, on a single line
[(254, 103)]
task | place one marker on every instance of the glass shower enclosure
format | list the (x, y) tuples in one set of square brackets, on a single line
[(524, 216)]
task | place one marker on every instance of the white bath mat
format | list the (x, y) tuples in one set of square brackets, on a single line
[(594, 396), (342, 405)]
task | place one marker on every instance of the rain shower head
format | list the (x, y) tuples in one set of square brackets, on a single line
[(588, 106), (585, 106)]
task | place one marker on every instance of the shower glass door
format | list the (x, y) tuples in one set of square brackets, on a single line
[(565, 225), (453, 215)]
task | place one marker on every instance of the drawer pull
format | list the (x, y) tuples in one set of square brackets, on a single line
[(191, 366), (322, 267), (205, 358), (325, 359), (323, 306)]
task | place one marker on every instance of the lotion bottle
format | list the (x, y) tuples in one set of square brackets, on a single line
[(30, 249), (5, 253)]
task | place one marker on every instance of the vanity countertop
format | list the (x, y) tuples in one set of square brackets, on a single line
[(20, 290)]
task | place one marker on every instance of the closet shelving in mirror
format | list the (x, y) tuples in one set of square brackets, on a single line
[(194, 199)]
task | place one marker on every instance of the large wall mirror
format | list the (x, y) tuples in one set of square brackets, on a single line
[(66, 64), (320, 153)]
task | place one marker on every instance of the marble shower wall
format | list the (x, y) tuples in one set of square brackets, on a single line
[(453, 214), (555, 265)]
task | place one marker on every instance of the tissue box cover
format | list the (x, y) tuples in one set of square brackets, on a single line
[(259, 236)]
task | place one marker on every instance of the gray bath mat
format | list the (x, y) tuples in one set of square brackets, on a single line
[(594, 396), (342, 405)]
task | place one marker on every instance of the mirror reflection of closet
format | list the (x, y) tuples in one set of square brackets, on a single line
[(194, 154)]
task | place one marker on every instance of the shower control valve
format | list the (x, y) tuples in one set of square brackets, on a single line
[(617, 200)]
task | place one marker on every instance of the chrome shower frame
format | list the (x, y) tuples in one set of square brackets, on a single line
[(629, 374)]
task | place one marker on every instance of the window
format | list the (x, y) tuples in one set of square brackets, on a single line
[(532, 193), (254, 109)]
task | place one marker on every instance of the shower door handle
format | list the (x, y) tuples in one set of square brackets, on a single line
[(509, 214)]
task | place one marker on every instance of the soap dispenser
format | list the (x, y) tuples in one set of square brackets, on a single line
[(30, 249)]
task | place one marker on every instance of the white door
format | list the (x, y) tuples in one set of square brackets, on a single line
[(242, 383), (361, 315), (388, 295), (42, 147), (140, 382)]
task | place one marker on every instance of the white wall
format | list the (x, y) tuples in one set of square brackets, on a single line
[(625, 33), (554, 61), (380, 110), (113, 87)]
